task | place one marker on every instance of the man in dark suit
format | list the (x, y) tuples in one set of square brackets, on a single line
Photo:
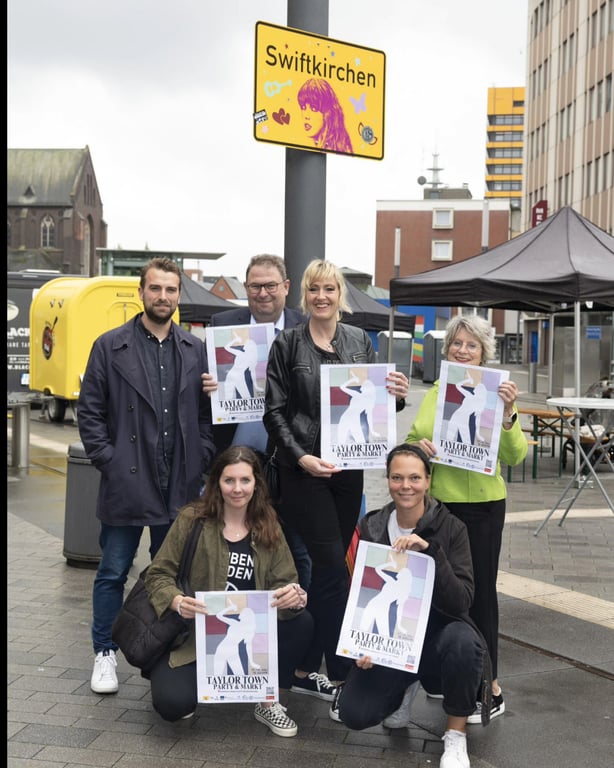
[(266, 284)]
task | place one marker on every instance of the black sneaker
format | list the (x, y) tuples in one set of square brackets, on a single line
[(497, 708), (316, 685), (333, 711)]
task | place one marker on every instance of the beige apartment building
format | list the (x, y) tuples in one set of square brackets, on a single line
[(569, 110)]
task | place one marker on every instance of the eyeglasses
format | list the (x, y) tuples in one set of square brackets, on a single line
[(255, 288), (472, 346)]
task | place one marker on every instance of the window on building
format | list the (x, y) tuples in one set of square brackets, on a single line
[(47, 232), (505, 186), (505, 152), (589, 171), (441, 250), (443, 218), (570, 121), (607, 169), (597, 175), (8, 234), (563, 62), (594, 29), (611, 15), (504, 136), (86, 242), (591, 105), (608, 94), (503, 170), (603, 21), (599, 98), (507, 119)]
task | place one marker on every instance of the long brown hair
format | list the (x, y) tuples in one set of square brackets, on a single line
[(261, 518)]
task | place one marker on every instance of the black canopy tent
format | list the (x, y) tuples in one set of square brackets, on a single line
[(197, 304), (369, 314), (566, 261)]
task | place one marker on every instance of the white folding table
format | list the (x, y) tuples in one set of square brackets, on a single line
[(572, 408)]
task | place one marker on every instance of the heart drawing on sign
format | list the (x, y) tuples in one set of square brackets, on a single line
[(281, 117)]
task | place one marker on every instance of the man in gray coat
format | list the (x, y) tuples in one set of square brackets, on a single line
[(145, 424)]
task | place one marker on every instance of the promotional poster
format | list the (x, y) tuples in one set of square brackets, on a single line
[(359, 424), (237, 357), (388, 607), (468, 417), (236, 648)]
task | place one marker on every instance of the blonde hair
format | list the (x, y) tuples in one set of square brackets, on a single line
[(475, 325), (320, 269)]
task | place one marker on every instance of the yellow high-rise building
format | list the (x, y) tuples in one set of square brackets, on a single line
[(505, 144)]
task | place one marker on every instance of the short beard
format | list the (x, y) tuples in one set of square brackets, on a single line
[(158, 319)]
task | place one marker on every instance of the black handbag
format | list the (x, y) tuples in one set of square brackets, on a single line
[(271, 475), (140, 635)]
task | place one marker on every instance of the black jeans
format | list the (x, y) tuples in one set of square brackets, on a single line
[(174, 691), (324, 512), (484, 523), (451, 661)]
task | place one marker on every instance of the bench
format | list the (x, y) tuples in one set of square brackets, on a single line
[(530, 442)]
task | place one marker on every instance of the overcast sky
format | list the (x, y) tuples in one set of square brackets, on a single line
[(162, 93)]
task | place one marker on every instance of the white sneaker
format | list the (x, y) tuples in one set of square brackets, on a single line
[(104, 676), (454, 750), (400, 718)]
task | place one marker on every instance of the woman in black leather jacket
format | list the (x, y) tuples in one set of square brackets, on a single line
[(320, 500)]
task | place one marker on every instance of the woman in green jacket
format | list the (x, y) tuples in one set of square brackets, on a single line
[(475, 498), (241, 547)]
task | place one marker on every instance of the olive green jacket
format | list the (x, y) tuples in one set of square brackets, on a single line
[(273, 568)]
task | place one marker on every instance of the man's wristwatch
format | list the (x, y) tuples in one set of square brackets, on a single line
[(510, 419)]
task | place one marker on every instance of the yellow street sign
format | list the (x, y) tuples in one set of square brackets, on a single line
[(313, 92)]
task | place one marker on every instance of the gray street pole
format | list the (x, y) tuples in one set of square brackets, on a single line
[(305, 198)]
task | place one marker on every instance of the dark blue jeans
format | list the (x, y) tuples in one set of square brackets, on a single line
[(119, 544), (174, 690), (301, 557), (451, 661)]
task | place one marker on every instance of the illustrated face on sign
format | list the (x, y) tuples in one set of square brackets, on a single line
[(312, 121), (317, 97)]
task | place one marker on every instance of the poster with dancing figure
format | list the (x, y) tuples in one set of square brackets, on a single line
[(358, 415), (468, 417), (388, 607), (237, 357), (236, 647)]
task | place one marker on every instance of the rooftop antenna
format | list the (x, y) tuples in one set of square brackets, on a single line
[(435, 182)]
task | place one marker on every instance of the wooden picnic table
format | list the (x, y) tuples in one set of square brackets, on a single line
[(545, 422)]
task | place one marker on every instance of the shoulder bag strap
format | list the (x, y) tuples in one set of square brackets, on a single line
[(183, 574)]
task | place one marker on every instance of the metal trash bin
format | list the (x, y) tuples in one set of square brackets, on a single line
[(432, 351), (81, 526), (402, 350)]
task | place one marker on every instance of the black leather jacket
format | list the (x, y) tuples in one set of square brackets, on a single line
[(292, 396)]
